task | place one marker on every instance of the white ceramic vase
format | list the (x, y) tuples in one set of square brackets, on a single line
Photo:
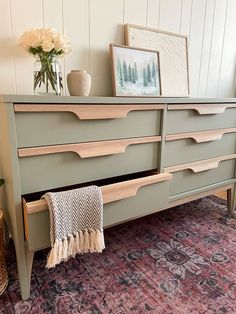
[(79, 83)]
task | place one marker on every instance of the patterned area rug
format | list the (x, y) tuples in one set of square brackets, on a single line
[(182, 260)]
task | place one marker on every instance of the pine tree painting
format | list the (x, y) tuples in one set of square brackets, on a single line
[(136, 72)]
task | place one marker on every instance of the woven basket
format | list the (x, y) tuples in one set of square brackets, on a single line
[(3, 270)]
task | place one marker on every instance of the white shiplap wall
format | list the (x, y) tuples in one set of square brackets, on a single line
[(93, 24)]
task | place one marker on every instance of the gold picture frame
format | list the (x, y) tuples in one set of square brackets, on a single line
[(173, 49)]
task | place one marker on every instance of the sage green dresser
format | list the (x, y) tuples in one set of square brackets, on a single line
[(147, 154)]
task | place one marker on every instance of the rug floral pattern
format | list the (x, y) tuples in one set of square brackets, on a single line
[(179, 261)]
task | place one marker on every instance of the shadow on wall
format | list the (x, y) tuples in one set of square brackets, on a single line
[(100, 63), (10, 49), (100, 70)]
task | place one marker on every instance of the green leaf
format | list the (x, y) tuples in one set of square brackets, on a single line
[(1, 182)]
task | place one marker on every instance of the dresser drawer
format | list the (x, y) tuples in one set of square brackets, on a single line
[(43, 168), (122, 201), (187, 177), (189, 118), (187, 147), (38, 125)]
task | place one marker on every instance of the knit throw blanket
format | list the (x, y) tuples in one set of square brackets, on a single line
[(76, 223)]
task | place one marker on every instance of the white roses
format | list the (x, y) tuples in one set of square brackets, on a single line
[(46, 44), (45, 40)]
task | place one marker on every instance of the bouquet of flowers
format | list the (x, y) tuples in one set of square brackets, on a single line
[(46, 44)]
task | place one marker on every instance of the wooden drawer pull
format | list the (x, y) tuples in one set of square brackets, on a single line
[(199, 166), (203, 109), (201, 137), (208, 165), (89, 112), (90, 149), (111, 192), (121, 190)]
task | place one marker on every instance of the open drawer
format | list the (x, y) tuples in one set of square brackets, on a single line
[(190, 176), (122, 201)]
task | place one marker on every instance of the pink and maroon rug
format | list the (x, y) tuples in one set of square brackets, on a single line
[(182, 260)]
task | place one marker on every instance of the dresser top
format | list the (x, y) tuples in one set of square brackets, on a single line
[(108, 100)]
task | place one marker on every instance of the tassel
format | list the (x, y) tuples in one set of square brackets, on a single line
[(76, 248), (52, 257), (81, 241), (102, 239), (65, 249), (99, 241), (49, 260), (92, 240), (59, 254), (86, 241), (70, 245)]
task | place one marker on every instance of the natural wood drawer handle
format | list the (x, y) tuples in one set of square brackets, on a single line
[(121, 190), (199, 166), (90, 149), (203, 109), (111, 192), (205, 166), (89, 112), (201, 137)]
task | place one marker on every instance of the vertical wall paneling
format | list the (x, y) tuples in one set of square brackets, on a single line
[(106, 26), (52, 14), (227, 81), (170, 14), (53, 17), (25, 16), (76, 27), (206, 47), (153, 13), (91, 25), (186, 14), (135, 12), (195, 43), (7, 78), (216, 47)]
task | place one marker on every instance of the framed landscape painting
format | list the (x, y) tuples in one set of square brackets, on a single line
[(135, 72)]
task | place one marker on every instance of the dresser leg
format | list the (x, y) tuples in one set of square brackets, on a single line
[(231, 201), (24, 263)]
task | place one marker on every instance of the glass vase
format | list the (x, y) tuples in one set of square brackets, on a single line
[(47, 76)]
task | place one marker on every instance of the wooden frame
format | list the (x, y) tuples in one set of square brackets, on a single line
[(173, 49), (135, 71)]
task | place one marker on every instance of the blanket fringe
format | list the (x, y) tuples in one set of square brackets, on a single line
[(88, 240)]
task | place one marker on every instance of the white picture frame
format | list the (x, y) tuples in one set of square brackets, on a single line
[(173, 49)]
